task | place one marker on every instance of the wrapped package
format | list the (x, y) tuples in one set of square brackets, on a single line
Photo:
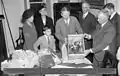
[(21, 59)]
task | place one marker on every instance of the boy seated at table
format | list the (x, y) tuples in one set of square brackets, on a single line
[(46, 41)]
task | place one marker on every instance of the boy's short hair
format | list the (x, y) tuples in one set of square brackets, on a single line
[(46, 28)]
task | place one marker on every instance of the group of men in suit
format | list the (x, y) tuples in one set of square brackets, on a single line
[(103, 38), (114, 18)]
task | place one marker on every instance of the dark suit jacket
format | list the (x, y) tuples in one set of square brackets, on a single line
[(88, 24), (101, 38), (43, 42), (62, 29), (116, 43), (39, 24)]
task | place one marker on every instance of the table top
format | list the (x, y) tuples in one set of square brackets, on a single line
[(40, 70), (83, 67)]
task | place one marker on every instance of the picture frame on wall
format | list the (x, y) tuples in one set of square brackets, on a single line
[(96, 2), (63, 1), (36, 0)]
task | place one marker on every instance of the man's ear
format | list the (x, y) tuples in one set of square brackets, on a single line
[(44, 32)]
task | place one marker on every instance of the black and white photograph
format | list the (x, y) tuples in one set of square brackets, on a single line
[(59, 37)]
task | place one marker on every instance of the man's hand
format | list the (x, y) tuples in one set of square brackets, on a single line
[(87, 36), (65, 40), (86, 52)]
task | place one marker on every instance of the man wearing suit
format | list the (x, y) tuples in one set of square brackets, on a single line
[(41, 20), (66, 25), (102, 38), (87, 20), (46, 41), (88, 23), (115, 19)]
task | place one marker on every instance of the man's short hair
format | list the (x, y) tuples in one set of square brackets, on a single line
[(65, 8), (109, 6)]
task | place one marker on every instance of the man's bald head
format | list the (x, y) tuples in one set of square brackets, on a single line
[(85, 7)]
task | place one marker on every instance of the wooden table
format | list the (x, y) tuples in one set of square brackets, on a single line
[(66, 68), (41, 71)]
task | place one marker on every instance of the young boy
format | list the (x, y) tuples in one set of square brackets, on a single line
[(46, 41)]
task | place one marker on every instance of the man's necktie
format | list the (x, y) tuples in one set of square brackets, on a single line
[(48, 39)]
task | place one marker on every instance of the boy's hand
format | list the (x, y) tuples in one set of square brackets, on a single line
[(65, 40)]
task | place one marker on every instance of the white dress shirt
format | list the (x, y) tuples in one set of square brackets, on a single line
[(67, 21), (112, 15), (84, 15)]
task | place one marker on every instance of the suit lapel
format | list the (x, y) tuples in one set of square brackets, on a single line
[(102, 29), (105, 26), (85, 17), (98, 27), (114, 19), (47, 20), (65, 25), (42, 22)]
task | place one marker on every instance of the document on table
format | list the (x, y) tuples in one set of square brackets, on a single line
[(78, 61), (62, 66)]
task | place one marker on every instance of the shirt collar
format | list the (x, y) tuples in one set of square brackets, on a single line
[(112, 15), (85, 14), (46, 36), (67, 21)]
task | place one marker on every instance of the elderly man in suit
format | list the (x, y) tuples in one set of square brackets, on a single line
[(88, 23), (115, 19), (87, 20), (102, 38), (66, 25)]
